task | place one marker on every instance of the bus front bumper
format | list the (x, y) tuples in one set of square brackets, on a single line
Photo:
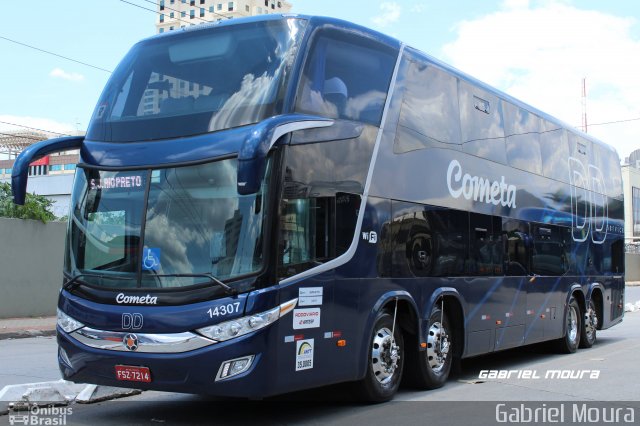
[(196, 371)]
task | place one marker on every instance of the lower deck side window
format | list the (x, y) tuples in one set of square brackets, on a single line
[(315, 230)]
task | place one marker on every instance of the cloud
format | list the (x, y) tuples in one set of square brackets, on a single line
[(516, 4), (418, 8), (71, 76), (390, 13), (540, 52)]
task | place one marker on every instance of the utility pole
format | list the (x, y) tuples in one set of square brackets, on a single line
[(584, 105)]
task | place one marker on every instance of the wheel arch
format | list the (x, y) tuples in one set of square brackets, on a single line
[(407, 319), (596, 293), (576, 291), (454, 307)]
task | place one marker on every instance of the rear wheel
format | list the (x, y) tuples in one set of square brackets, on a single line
[(429, 369), (573, 324), (385, 361), (589, 326)]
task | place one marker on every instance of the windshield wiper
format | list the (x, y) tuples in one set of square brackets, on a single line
[(212, 279), (75, 280)]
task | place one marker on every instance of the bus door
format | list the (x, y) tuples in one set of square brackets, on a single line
[(546, 291), (517, 265), (503, 297)]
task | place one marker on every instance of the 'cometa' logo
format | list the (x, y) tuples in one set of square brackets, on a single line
[(479, 188), (140, 300)]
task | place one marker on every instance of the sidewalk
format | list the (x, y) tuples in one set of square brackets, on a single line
[(15, 328)]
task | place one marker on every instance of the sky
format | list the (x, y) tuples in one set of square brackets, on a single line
[(538, 51)]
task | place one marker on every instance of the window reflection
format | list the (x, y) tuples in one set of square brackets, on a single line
[(429, 114), (338, 81)]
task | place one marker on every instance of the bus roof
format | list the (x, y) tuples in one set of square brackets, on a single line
[(322, 21)]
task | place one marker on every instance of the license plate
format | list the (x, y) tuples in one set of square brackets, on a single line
[(133, 374)]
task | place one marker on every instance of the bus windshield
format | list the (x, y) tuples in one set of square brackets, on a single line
[(197, 81), (144, 228)]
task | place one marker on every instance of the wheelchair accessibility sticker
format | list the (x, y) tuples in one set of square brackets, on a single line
[(150, 259)]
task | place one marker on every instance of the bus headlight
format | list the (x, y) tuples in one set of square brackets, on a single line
[(240, 326), (67, 323)]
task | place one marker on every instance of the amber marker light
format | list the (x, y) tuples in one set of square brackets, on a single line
[(341, 343), (288, 307)]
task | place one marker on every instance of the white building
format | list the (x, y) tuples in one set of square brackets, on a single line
[(51, 175), (174, 14), (631, 183)]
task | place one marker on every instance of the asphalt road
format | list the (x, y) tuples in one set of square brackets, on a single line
[(615, 357)]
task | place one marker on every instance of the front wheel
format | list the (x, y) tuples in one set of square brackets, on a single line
[(429, 369), (589, 326), (385, 361), (573, 324)]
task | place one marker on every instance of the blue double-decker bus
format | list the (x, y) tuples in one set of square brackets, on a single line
[(270, 204)]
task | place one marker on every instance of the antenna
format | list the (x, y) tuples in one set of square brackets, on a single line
[(584, 105)]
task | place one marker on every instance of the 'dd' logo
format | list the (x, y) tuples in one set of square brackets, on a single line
[(130, 342)]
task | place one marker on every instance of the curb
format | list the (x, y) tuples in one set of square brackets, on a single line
[(24, 334), (21, 397)]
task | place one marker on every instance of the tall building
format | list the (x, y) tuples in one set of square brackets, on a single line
[(174, 14)]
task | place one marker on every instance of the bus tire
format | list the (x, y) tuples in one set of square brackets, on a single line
[(385, 361), (573, 324), (429, 369), (589, 326)]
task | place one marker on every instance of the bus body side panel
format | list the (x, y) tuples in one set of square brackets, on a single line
[(516, 310)]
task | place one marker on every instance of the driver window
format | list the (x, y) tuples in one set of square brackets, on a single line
[(346, 77)]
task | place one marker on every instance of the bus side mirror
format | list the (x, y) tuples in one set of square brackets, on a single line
[(20, 171), (252, 158)]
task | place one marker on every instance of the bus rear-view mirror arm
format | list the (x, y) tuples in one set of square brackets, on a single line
[(253, 153), (32, 153)]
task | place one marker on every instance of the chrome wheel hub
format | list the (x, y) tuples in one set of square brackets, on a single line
[(590, 322), (572, 324), (385, 355), (438, 346)]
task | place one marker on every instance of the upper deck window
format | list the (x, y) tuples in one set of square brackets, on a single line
[(346, 76), (522, 131), (429, 115), (481, 123), (197, 82)]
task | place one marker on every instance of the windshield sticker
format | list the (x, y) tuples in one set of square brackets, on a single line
[(304, 354), (310, 296), (100, 112), (150, 259), (116, 182), (306, 318)]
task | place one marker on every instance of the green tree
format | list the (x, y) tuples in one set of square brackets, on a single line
[(36, 207)]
